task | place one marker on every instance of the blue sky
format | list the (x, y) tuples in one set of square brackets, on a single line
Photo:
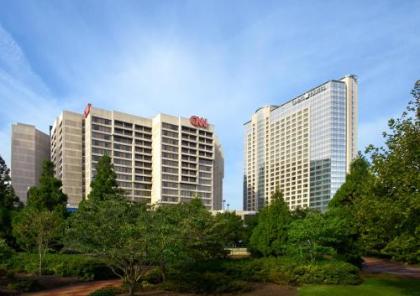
[(217, 59)]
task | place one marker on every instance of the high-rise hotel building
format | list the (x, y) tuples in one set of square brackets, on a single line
[(165, 159), (303, 147)]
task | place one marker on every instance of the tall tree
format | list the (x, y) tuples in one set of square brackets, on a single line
[(390, 220), (269, 237), (104, 185), (48, 194), (8, 201), (232, 228), (358, 184)]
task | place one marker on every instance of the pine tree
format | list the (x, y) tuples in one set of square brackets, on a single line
[(8, 201), (270, 235), (48, 194), (104, 186)]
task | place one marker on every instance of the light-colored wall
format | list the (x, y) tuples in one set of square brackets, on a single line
[(30, 147)]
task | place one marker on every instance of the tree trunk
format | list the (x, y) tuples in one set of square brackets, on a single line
[(130, 290), (163, 271), (40, 261)]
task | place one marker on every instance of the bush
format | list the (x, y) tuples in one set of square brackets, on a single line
[(24, 285), (205, 282), (285, 270), (82, 266), (107, 291), (5, 253), (153, 276)]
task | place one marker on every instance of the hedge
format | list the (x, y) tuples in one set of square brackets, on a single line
[(82, 266)]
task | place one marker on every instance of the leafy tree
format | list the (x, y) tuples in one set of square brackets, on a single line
[(393, 214), (200, 235), (48, 194), (104, 185), (116, 231), (358, 184), (343, 234), (232, 229), (308, 237), (270, 235), (36, 229), (8, 201), (164, 234), (5, 253)]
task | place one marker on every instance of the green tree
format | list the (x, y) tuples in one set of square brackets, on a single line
[(113, 228), (8, 202), (104, 185), (358, 184), (200, 235), (309, 237), (392, 216), (36, 229), (270, 235), (116, 231), (48, 194), (232, 229), (164, 234)]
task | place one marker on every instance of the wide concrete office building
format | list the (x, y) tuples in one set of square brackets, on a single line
[(161, 160), (30, 147), (303, 147)]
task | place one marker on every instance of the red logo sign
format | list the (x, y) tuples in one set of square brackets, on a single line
[(199, 121), (87, 110)]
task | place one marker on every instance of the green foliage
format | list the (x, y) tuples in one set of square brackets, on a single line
[(356, 186), (24, 285), (309, 237), (393, 216), (82, 266), (8, 202), (201, 237), (5, 253), (36, 229), (231, 227), (217, 276), (405, 247), (107, 291), (48, 194), (270, 235), (104, 185)]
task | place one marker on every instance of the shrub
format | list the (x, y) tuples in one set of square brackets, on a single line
[(153, 276), (287, 270), (24, 285), (82, 266), (5, 253), (107, 291)]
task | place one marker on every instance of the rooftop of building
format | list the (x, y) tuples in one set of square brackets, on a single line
[(308, 91)]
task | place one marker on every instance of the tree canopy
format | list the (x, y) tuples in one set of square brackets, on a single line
[(269, 237), (104, 184)]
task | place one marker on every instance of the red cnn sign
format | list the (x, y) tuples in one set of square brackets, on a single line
[(87, 110), (199, 121)]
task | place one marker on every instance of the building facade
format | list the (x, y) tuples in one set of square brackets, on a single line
[(160, 160), (303, 147), (30, 147), (67, 154)]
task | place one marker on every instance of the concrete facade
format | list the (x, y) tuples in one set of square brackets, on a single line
[(164, 159), (67, 154), (30, 147)]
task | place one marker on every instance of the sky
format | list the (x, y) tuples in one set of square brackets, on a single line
[(217, 59)]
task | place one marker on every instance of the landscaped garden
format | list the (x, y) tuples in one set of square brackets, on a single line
[(182, 248)]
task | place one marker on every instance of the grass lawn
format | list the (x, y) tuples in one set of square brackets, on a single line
[(372, 286)]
